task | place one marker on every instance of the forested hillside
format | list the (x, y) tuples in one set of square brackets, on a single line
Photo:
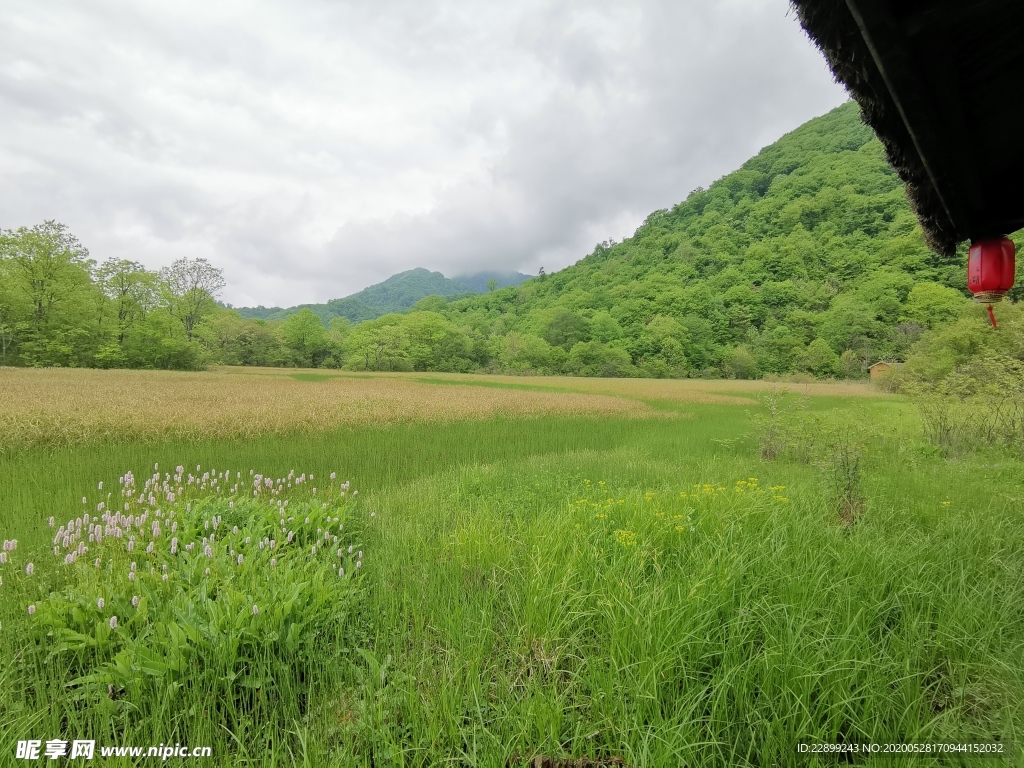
[(806, 259)]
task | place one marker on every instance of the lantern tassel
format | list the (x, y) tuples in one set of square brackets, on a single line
[(992, 316)]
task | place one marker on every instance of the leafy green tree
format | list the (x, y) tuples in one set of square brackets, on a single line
[(849, 323), (564, 328), (819, 358), (604, 327), (49, 264), (740, 363), (435, 344), (592, 358), (260, 343), (776, 350), (947, 348), (49, 273), (305, 335), (191, 287), (231, 340), (527, 353), (851, 365), (660, 348), (929, 304), (131, 289), (10, 312), (380, 344)]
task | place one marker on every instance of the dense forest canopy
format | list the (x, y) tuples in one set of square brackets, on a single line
[(806, 259)]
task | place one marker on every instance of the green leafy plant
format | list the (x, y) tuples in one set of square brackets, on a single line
[(201, 587), (841, 461)]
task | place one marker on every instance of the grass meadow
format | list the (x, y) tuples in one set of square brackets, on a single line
[(321, 569)]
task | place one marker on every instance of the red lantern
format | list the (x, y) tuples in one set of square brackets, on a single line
[(990, 269)]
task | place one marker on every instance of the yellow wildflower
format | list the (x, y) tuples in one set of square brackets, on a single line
[(625, 538)]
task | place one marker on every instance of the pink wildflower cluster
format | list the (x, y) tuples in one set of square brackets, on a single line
[(145, 521)]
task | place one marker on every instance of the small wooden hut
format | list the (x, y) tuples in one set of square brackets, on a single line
[(880, 369)]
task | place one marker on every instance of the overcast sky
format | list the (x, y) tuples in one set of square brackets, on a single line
[(313, 147)]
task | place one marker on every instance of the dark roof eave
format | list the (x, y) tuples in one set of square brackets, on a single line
[(838, 30)]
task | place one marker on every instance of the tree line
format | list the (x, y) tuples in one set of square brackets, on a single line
[(59, 307)]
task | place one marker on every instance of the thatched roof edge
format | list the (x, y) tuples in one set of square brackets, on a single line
[(832, 27)]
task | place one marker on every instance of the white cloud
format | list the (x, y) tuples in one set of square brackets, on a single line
[(313, 148)]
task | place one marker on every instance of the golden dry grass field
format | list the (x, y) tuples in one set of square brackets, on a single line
[(76, 406)]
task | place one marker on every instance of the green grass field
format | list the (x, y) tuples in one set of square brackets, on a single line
[(637, 587)]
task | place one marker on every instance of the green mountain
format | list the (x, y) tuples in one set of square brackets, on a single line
[(397, 293), (807, 258)]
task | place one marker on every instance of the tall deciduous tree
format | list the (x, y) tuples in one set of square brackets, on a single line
[(48, 296), (192, 286), (49, 264), (131, 289)]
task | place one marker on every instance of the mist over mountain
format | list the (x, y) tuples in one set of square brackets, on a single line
[(478, 283), (397, 293)]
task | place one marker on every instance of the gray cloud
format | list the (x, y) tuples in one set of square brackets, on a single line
[(313, 148)]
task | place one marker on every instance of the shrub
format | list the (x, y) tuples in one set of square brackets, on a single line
[(786, 429), (980, 403), (840, 459), (593, 358)]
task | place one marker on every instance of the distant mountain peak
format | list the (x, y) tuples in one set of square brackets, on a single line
[(395, 294)]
